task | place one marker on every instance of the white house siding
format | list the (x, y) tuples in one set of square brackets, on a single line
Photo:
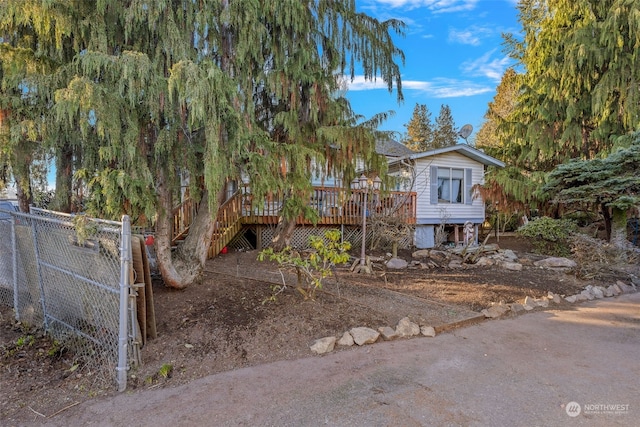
[(320, 177), (451, 213)]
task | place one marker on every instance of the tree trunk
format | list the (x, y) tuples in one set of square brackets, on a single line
[(64, 175), (607, 220), (619, 228), (21, 166), (283, 234), (198, 241), (185, 267), (177, 272), (24, 196)]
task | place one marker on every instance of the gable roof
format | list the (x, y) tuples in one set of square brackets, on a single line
[(390, 148), (463, 149)]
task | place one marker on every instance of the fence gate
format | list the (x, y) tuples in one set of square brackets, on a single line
[(71, 275)]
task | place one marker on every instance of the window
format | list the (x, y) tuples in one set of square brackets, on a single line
[(450, 185)]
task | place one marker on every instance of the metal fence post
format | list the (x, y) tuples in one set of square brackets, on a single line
[(14, 268), (123, 331), (45, 315)]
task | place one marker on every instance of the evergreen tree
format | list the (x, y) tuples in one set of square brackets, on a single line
[(612, 184), (445, 133), (419, 134), (576, 93), (143, 91), (27, 56), (510, 187), (490, 136), (578, 90)]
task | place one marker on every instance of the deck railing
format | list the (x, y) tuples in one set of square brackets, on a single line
[(228, 223), (183, 216), (335, 206)]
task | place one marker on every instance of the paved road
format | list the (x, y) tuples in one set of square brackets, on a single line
[(520, 371)]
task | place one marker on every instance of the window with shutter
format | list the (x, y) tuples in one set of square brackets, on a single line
[(468, 185), (450, 185)]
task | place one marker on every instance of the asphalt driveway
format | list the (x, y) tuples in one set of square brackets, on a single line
[(549, 368)]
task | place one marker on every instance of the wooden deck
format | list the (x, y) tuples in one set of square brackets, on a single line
[(334, 206)]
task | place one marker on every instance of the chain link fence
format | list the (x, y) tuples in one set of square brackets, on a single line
[(71, 276)]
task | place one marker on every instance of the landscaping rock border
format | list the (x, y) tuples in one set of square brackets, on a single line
[(363, 335), (407, 328)]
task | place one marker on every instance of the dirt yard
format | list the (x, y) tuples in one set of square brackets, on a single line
[(230, 321)]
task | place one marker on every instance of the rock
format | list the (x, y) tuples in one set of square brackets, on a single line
[(485, 261), (406, 328), (587, 294), (624, 288), (363, 335), (510, 255), (397, 264), (323, 345), (387, 332), (495, 311), (526, 261), (529, 303), (517, 308), (581, 297), (554, 297), (571, 299), (542, 302), (428, 331), (513, 266), (422, 253), (346, 340), (608, 292), (615, 290), (439, 256), (597, 292), (556, 262), (491, 247), (454, 264)]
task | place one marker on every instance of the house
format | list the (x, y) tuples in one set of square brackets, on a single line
[(446, 203), (443, 180)]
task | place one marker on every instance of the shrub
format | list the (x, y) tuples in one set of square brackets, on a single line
[(549, 236), (316, 265)]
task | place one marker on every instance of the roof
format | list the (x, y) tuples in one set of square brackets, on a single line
[(391, 148), (463, 149)]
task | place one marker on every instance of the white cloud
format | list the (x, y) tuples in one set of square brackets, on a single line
[(471, 35), (487, 66), (359, 83), (437, 88), (464, 37), (436, 6)]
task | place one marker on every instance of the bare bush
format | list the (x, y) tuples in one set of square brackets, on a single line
[(597, 258)]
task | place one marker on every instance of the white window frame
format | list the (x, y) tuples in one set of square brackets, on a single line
[(448, 179)]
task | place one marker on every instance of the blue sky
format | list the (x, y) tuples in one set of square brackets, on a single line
[(453, 55)]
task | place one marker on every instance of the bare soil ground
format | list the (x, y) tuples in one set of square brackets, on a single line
[(228, 322)]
